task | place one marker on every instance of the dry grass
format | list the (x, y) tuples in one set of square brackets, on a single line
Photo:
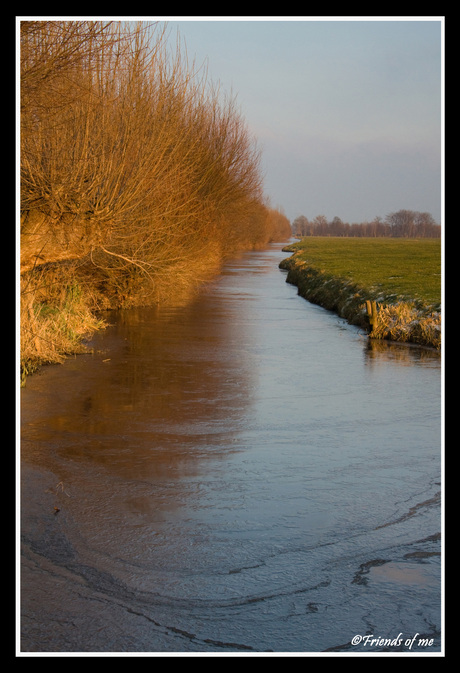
[(52, 329), (403, 322)]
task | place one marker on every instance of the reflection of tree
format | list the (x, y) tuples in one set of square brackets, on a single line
[(163, 384), (378, 351)]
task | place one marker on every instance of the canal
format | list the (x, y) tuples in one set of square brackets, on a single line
[(245, 475)]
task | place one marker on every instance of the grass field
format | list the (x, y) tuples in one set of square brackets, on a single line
[(395, 268), (402, 275)]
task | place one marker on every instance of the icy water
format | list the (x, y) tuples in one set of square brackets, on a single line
[(244, 476)]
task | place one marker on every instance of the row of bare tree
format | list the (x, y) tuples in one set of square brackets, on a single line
[(402, 224), (135, 169)]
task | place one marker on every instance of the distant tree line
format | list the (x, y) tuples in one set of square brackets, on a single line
[(401, 224)]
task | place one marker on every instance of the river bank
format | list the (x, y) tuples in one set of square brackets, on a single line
[(382, 315)]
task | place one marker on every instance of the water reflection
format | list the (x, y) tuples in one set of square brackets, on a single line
[(379, 351), (166, 382)]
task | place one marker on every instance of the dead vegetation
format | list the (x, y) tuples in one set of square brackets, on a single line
[(405, 323)]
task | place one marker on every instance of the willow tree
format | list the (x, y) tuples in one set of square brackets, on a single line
[(137, 175)]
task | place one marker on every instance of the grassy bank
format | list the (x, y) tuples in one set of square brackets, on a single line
[(403, 277), (54, 321)]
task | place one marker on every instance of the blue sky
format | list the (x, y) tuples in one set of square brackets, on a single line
[(347, 112)]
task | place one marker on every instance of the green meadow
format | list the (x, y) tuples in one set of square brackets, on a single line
[(392, 269), (403, 277)]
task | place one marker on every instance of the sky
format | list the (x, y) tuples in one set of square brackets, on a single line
[(347, 112)]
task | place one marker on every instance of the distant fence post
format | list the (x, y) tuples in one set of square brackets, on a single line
[(372, 312)]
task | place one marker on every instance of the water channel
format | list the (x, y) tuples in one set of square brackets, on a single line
[(246, 475)]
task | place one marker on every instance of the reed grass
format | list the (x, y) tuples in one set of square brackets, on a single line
[(403, 322), (53, 325)]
